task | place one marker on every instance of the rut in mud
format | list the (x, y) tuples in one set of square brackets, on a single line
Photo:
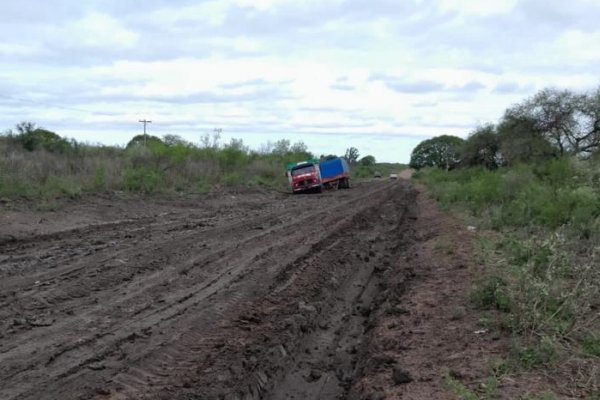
[(261, 296)]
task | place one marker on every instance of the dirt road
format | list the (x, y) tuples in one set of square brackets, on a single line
[(239, 296)]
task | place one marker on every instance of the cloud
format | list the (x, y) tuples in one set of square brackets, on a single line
[(342, 86), (469, 87), (359, 68), (505, 87), (412, 86), (98, 30)]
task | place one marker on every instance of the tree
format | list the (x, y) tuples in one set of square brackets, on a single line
[(588, 116), (521, 140), (238, 145), (367, 161), (352, 155), (441, 151), (299, 147), (211, 142), (141, 140), (25, 127), (174, 140), (570, 122), (33, 138), (281, 147), (482, 148), (233, 154)]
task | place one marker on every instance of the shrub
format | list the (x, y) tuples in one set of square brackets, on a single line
[(142, 179), (591, 344), (542, 354), (492, 293)]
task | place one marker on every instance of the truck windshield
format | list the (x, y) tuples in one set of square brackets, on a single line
[(304, 170)]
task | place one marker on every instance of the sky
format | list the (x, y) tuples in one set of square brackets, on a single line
[(378, 75)]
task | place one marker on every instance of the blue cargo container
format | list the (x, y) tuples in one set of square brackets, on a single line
[(335, 172), (333, 169)]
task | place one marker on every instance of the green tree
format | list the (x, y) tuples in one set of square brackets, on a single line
[(352, 155), (147, 140), (522, 141), (367, 161), (33, 138), (174, 140), (25, 127), (589, 117), (233, 154), (299, 147), (441, 151), (482, 148), (569, 121), (281, 147)]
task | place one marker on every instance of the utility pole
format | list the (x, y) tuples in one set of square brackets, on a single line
[(145, 121)]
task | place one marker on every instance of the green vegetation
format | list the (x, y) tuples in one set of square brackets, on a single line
[(38, 164), (552, 124), (539, 235), (552, 194), (531, 185), (442, 152)]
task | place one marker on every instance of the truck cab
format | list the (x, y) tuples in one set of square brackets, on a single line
[(305, 176)]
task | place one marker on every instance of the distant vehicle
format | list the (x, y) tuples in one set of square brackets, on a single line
[(393, 176), (377, 174), (312, 175)]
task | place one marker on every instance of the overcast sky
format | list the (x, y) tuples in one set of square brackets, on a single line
[(379, 75)]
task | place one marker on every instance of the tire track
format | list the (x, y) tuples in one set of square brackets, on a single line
[(105, 329)]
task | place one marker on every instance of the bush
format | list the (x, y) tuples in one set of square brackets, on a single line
[(549, 195), (540, 355), (591, 345), (42, 139), (492, 293), (142, 179)]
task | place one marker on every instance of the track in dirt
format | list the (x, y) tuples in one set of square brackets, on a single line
[(259, 297)]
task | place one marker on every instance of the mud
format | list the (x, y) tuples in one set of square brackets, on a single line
[(239, 296)]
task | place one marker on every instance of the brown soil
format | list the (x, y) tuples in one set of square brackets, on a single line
[(348, 294), (424, 327)]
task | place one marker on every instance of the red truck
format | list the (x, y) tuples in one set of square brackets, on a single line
[(314, 175)]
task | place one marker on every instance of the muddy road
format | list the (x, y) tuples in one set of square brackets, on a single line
[(247, 296)]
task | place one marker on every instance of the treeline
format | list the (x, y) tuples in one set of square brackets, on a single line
[(38, 163), (552, 124)]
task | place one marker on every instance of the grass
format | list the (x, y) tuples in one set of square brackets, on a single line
[(72, 169), (591, 344), (158, 168), (488, 390), (538, 241), (524, 195)]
